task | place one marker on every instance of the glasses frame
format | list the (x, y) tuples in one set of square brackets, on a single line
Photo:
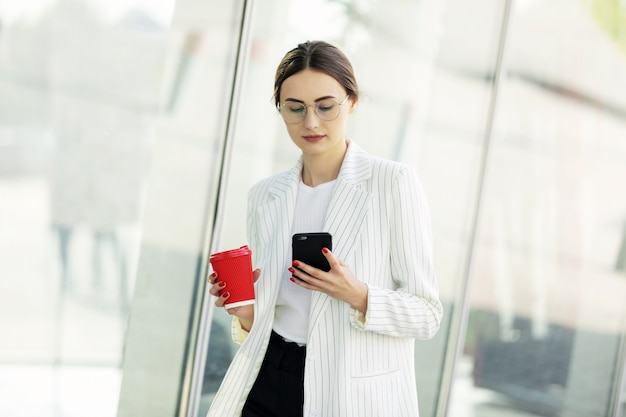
[(315, 106)]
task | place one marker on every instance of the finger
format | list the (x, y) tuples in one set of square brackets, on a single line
[(221, 300), (302, 267), (212, 277), (305, 280), (332, 260), (216, 288), (256, 274), (298, 275), (299, 278)]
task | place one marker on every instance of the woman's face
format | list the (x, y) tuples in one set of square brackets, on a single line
[(313, 135)]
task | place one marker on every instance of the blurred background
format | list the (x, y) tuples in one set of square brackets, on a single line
[(130, 131)]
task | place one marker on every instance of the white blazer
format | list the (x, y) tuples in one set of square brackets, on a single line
[(356, 365)]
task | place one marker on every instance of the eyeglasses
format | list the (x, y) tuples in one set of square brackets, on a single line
[(294, 112)]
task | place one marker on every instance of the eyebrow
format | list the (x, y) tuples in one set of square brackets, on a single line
[(316, 100)]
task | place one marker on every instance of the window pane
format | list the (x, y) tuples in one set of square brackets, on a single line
[(180, 208), (547, 302), (79, 88)]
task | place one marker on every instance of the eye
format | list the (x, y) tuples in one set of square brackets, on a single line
[(295, 108), (325, 106)]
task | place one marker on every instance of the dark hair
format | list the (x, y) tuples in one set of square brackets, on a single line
[(319, 56)]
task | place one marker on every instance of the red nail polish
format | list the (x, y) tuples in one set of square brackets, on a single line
[(296, 264), (325, 250), (226, 294), (290, 269), (292, 279)]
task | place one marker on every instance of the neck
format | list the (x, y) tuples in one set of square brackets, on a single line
[(320, 168)]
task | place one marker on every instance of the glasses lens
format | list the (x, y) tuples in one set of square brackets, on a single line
[(327, 109), (293, 112)]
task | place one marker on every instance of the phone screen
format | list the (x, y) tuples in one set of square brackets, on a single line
[(307, 247)]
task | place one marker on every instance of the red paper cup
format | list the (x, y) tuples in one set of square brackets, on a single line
[(234, 267)]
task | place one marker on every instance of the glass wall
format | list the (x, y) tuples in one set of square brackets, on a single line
[(131, 131), (80, 87), (547, 315), (180, 209)]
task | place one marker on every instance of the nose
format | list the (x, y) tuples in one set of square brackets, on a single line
[(311, 119)]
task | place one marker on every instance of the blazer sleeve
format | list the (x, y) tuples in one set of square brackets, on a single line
[(412, 308), (238, 334)]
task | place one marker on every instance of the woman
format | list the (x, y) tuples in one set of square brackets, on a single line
[(337, 343)]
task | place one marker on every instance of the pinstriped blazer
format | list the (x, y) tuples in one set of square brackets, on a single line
[(356, 365)]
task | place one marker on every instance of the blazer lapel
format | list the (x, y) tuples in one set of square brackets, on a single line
[(278, 212), (348, 206), (274, 219)]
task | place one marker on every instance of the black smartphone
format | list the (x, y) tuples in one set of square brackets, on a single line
[(307, 247)]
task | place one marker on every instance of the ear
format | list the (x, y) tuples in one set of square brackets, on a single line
[(353, 105)]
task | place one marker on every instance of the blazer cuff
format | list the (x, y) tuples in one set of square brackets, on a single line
[(238, 333), (359, 319)]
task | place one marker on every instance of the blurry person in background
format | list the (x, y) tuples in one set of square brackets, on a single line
[(337, 343), (97, 178)]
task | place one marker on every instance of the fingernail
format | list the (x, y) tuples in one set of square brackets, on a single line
[(221, 284), (292, 279), (226, 294), (290, 269), (296, 264), (325, 250), (213, 275)]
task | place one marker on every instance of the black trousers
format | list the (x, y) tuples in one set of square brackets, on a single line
[(279, 388)]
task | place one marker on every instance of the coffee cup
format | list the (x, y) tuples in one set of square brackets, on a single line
[(234, 267)]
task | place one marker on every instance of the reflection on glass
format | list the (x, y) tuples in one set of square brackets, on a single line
[(79, 88), (545, 335)]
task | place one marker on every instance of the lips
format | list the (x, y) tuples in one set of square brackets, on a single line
[(313, 138)]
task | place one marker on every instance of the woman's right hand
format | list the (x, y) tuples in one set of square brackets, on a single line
[(245, 313)]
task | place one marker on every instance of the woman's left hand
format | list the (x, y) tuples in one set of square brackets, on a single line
[(339, 282)]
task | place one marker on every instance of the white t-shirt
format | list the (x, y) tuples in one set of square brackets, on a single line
[(294, 302)]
